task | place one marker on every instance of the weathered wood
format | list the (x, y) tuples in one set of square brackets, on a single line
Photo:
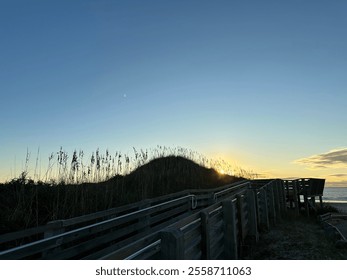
[(241, 217), (109, 214), (296, 199), (193, 234), (172, 244), (271, 204), (193, 253), (114, 247), (7, 237), (217, 250), (218, 231), (277, 199), (253, 235), (227, 191), (230, 230), (192, 218), (129, 249), (55, 228), (205, 235), (56, 241), (282, 197), (264, 213), (168, 214), (257, 205)]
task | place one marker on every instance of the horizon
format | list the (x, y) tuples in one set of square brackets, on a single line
[(259, 85)]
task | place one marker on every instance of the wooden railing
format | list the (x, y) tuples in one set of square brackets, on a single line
[(303, 192), (195, 224), (224, 229), (145, 215)]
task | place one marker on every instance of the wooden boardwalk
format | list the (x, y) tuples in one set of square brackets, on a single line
[(195, 224)]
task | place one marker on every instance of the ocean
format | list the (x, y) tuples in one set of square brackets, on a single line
[(333, 194)]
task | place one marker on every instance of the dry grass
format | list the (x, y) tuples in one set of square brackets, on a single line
[(27, 203), (297, 238), (77, 168)]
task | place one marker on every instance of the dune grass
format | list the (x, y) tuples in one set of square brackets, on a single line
[(77, 167), (73, 186)]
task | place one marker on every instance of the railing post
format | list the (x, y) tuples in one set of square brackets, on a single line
[(205, 235), (296, 199), (230, 230), (271, 204), (172, 244), (282, 197), (264, 212), (277, 199), (253, 235), (241, 217)]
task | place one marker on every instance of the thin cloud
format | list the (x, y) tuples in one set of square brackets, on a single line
[(338, 175), (336, 158)]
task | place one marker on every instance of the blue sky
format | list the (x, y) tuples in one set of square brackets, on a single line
[(261, 83)]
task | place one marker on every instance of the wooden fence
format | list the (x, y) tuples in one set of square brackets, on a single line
[(195, 224)]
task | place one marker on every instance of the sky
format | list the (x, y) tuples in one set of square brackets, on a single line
[(258, 83)]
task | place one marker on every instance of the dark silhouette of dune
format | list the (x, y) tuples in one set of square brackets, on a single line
[(25, 203), (172, 174)]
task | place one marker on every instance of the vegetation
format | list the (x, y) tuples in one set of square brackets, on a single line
[(298, 238), (63, 168), (74, 187)]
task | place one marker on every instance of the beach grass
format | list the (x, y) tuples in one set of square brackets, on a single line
[(74, 188)]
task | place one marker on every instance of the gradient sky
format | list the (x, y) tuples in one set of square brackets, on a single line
[(260, 83)]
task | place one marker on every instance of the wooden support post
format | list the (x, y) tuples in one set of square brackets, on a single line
[(277, 199), (257, 204), (287, 194), (172, 244), (241, 217), (283, 197), (264, 213), (205, 235), (307, 210), (321, 201), (271, 204), (252, 235), (230, 230), (295, 196)]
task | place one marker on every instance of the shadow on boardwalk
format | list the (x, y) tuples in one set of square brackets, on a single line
[(296, 239)]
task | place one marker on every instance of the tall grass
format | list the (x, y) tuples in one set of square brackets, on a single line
[(77, 168), (75, 184)]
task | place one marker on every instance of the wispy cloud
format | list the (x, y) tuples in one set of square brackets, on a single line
[(336, 158), (338, 175)]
